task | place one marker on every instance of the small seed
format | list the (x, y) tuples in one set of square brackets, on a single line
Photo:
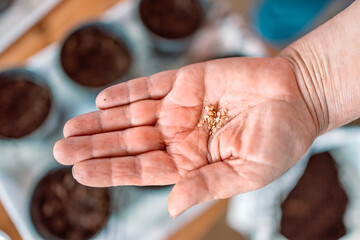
[(213, 118)]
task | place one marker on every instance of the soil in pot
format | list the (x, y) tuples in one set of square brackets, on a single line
[(94, 56), (61, 208), (24, 104), (315, 207), (171, 19)]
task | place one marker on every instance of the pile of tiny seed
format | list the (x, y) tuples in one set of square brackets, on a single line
[(215, 119)]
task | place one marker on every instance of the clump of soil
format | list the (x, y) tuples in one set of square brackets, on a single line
[(93, 56), (61, 208), (316, 206), (24, 104), (171, 18)]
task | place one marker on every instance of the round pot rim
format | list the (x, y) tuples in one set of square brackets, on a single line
[(47, 173), (40, 80), (115, 31), (183, 38)]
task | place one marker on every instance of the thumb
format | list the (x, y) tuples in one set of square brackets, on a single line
[(215, 181)]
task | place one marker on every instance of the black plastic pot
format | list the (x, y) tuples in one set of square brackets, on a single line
[(171, 23), (61, 208), (26, 105), (95, 55)]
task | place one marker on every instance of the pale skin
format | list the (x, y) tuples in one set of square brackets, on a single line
[(146, 131)]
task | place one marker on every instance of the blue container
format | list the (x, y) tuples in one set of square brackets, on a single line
[(280, 22)]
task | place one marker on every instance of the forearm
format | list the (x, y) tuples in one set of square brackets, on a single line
[(326, 63)]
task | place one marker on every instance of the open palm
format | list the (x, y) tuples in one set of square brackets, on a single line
[(147, 133)]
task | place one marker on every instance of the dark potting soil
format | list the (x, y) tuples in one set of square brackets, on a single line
[(94, 57), (24, 105), (316, 206), (61, 208), (171, 18)]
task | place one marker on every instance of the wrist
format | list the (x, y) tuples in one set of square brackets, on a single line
[(310, 86), (325, 63)]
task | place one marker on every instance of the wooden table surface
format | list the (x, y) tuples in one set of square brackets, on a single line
[(6, 225), (52, 28)]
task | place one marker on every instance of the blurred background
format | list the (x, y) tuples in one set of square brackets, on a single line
[(55, 56)]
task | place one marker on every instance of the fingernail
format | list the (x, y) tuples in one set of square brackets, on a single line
[(172, 213), (73, 172)]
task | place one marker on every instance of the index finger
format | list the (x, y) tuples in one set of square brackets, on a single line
[(155, 86)]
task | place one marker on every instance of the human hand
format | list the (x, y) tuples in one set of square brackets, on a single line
[(147, 133)]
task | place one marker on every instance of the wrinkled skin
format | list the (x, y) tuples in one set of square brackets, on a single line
[(146, 132)]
